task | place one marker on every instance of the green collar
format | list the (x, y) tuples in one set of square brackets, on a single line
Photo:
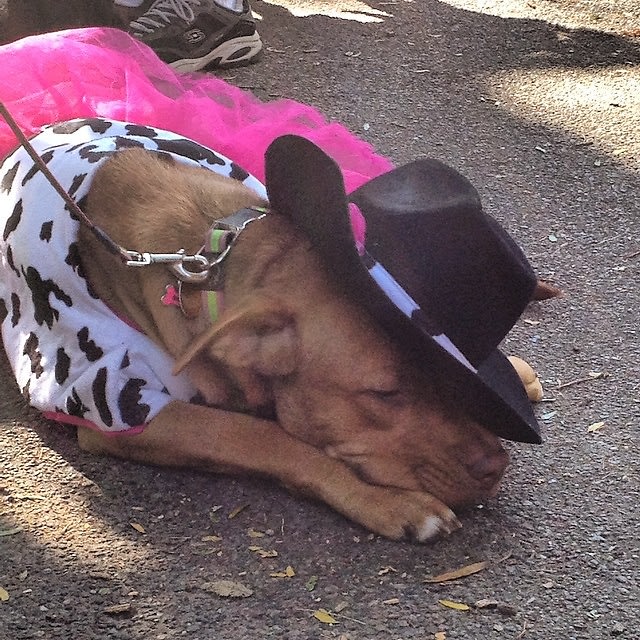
[(219, 241)]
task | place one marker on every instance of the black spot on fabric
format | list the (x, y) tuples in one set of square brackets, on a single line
[(97, 125), (190, 149), (132, 411), (141, 130), (238, 173), (125, 361), (8, 178), (46, 158), (31, 350), (63, 365), (11, 262), (87, 152), (29, 175), (76, 183), (127, 143), (74, 405), (40, 292), (88, 347), (165, 391), (74, 148), (13, 220), (45, 231), (99, 389), (15, 309), (53, 147), (73, 259), (4, 312)]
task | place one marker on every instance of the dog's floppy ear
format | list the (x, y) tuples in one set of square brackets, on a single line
[(258, 336)]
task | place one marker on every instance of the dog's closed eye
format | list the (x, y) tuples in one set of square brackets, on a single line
[(390, 396), (383, 394)]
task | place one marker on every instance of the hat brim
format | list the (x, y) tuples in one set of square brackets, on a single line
[(304, 184)]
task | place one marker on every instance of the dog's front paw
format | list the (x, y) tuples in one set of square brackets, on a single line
[(437, 526), (400, 514)]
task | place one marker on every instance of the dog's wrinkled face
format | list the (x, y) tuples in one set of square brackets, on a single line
[(337, 382), (355, 396)]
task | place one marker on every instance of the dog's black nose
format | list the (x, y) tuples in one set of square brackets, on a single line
[(489, 467)]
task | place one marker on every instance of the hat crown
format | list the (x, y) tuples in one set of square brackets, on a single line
[(426, 225)]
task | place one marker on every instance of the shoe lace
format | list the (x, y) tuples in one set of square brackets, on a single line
[(161, 12)]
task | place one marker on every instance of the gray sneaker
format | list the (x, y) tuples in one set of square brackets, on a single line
[(192, 34)]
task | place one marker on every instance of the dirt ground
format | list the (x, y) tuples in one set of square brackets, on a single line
[(538, 103)]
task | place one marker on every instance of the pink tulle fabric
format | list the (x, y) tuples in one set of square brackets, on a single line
[(105, 72)]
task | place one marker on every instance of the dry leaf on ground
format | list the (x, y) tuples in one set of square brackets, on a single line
[(287, 573), (263, 553), (596, 426), (4, 595), (117, 609), (486, 603), (138, 527), (210, 539), (385, 570), (458, 606), (462, 572), (239, 509), (324, 616), (227, 589)]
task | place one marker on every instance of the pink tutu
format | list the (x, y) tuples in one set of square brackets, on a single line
[(105, 72)]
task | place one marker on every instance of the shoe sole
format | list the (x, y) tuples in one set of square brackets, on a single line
[(232, 53)]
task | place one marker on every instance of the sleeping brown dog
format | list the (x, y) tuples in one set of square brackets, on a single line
[(391, 416)]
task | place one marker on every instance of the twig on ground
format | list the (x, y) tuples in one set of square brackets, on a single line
[(589, 378)]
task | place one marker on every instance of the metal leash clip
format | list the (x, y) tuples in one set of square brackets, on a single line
[(207, 267), (176, 262)]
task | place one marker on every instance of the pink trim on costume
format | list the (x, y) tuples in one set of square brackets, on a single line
[(65, 418), (108, 73), (130, 323), (127, 321)]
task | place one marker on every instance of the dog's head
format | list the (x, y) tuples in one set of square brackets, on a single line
[(336, 380)]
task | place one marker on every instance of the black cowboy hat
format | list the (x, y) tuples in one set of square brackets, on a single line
[(443, 278)]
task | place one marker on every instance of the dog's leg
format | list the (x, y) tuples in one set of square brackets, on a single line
[(184, 435)]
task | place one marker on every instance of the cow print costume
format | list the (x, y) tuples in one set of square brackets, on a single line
[(73, 358)]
